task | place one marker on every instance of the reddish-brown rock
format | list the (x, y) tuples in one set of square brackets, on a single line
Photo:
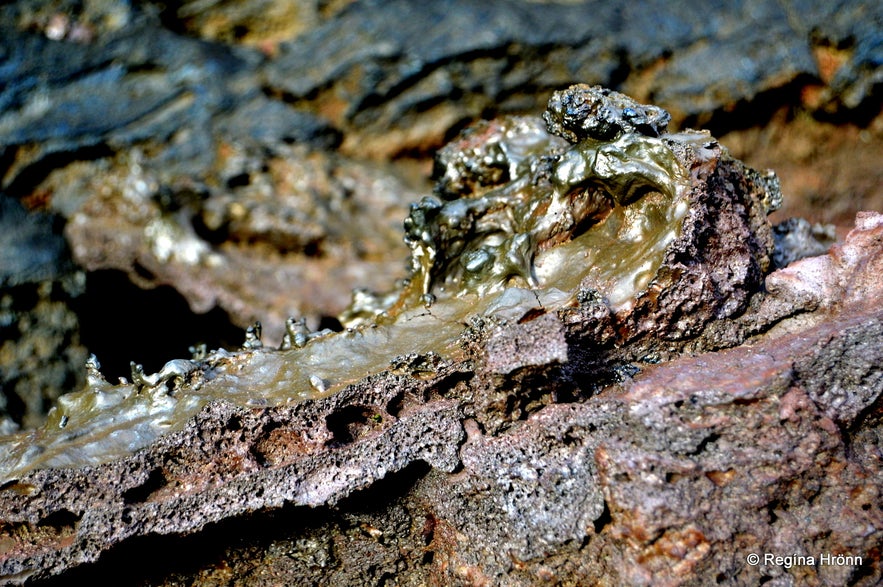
[(556, 438)]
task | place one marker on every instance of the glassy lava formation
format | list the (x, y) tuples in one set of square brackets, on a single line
[(508, 189), (600, 200)]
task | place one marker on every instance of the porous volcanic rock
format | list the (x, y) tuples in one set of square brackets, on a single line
[(556, 437), (211, 109)]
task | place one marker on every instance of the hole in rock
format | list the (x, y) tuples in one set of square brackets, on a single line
[(603, 520), (238, 180), (31, 175), (350, 422), (395, 405), (331, 323), (140, 493), (314, 249), (120, 322), (235, 544), (771, 510), (15, 406), (213, 235), (60, 520), (705, 443), (143, 272)]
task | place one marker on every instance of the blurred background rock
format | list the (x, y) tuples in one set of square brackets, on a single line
[(171, 172)]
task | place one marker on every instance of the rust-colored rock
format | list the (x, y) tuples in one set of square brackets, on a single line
[(309, 220), (579, 435)]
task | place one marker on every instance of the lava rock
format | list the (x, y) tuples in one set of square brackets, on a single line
[(556, 430)]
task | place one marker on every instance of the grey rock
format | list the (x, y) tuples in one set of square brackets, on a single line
[(31, 248), (796, 238)]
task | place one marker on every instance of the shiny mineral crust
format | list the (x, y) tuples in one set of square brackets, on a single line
[(600, 199), (607, 234)]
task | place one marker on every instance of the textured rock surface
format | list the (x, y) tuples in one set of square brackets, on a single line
[(666, 234), (199, 115), (676, 474), (307, 221), (560, 442), (235, 160)]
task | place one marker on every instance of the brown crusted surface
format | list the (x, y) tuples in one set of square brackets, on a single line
[(305, 221), (554, 433), (227, 461), (676, 474)]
